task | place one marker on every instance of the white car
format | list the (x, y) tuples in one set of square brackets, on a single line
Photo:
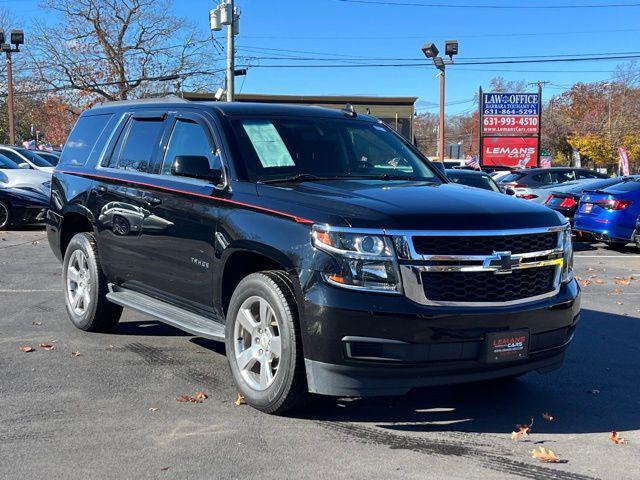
[(21, 155), (12, 175)]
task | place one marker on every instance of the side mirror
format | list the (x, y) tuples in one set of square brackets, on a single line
[(24, 166), (509, 191), (440, 167), (195, 166)]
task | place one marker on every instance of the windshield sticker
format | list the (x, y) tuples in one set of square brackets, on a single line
[(268, 144)]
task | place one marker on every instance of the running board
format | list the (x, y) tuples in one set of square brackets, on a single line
[(167, 313)]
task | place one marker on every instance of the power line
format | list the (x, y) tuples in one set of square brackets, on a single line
[(424, 64), (490, 7)]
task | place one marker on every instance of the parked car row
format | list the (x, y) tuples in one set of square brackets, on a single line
[(25, 181)]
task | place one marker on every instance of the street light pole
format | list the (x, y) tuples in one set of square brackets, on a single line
[(441, 119), (12, 133), (16, 38)]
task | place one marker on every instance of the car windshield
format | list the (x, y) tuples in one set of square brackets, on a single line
[(8, 164), (473, 180), (296, 149), (33, 157), (512, 177), (49, 157)]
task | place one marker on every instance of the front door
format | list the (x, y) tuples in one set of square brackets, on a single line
[(179, 231)]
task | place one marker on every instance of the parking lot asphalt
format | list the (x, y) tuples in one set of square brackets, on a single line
[(111, 411)]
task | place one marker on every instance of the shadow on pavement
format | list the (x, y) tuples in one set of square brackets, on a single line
[(594, 391), (149, 327)]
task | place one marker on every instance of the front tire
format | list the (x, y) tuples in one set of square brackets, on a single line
[(263, 342), (5, 215), (85, 287)]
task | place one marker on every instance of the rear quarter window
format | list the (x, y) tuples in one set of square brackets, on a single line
[(83, 138)]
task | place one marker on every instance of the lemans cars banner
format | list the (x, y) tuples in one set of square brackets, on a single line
[(517, 152), (510, 128)]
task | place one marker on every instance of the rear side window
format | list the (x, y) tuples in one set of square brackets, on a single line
[(13, 156), (7, 163), (562, 176), (135, 147), (82, 139)]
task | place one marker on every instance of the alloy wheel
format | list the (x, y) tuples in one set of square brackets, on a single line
[(258, 347), (78, 282), (4, 215)]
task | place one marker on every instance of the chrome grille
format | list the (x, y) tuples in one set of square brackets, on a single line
[(480, 268)]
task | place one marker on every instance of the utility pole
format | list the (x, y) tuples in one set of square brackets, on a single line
[(441, 147), (17, 39), (227, 14)]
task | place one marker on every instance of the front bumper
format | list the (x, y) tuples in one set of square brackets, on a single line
[(29, 215), (395, 345)]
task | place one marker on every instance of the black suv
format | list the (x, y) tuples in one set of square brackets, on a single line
[(322, 248)]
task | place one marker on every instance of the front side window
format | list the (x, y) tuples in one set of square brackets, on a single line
[(13, 156), (34, 158), (562, 176), (280, 148), (189, 138), (140, 142)]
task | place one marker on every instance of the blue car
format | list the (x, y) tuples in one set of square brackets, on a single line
[(22, 206), (609, 215)]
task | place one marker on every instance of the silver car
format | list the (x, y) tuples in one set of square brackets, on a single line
[(21, 155), (13, 175)]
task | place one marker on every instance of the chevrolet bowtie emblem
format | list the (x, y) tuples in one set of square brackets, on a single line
[(501, 262)]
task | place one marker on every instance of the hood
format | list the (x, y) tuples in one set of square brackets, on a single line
[(24, 178), (407, 205)]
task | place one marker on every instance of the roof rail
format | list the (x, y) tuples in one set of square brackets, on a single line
[(163, 99)]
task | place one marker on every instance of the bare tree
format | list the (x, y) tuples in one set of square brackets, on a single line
[(118, 49)]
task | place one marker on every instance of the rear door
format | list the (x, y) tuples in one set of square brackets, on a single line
[(178, 233), (118, 211)]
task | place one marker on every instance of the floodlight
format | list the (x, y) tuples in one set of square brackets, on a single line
[(430, 50)]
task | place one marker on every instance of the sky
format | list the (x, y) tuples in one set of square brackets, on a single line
[(347, 32)]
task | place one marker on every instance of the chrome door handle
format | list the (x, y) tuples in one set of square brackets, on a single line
[(152, 201)]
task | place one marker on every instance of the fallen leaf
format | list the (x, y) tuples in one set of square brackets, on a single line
[(35, 242), (586, 283), (599, 281), (164, 469), (199, 398), (36, 324), (616, 438), (521, 431), (545, 455), (240, 400), (623, 280), (153, 409), (617, 291), (75, 354), (618, 303), (589, 269), (548, 417), (26, 349), (47, 346)]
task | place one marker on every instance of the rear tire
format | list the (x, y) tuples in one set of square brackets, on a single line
[(85, 287), (5, 215), (263, 342)]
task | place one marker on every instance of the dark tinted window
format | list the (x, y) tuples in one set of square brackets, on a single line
[(33, 157), (140, 142), (7, 163), (562, 176), (49, 157), (473, 180), (82, 139), (189, 138), (512, 177), (13, 156), (541, 177)]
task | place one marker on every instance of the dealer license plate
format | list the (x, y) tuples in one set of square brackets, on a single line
[(586, 207), (507, 346)]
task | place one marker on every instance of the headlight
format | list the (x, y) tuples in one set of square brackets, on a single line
[(365, 261), (567, 256)]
